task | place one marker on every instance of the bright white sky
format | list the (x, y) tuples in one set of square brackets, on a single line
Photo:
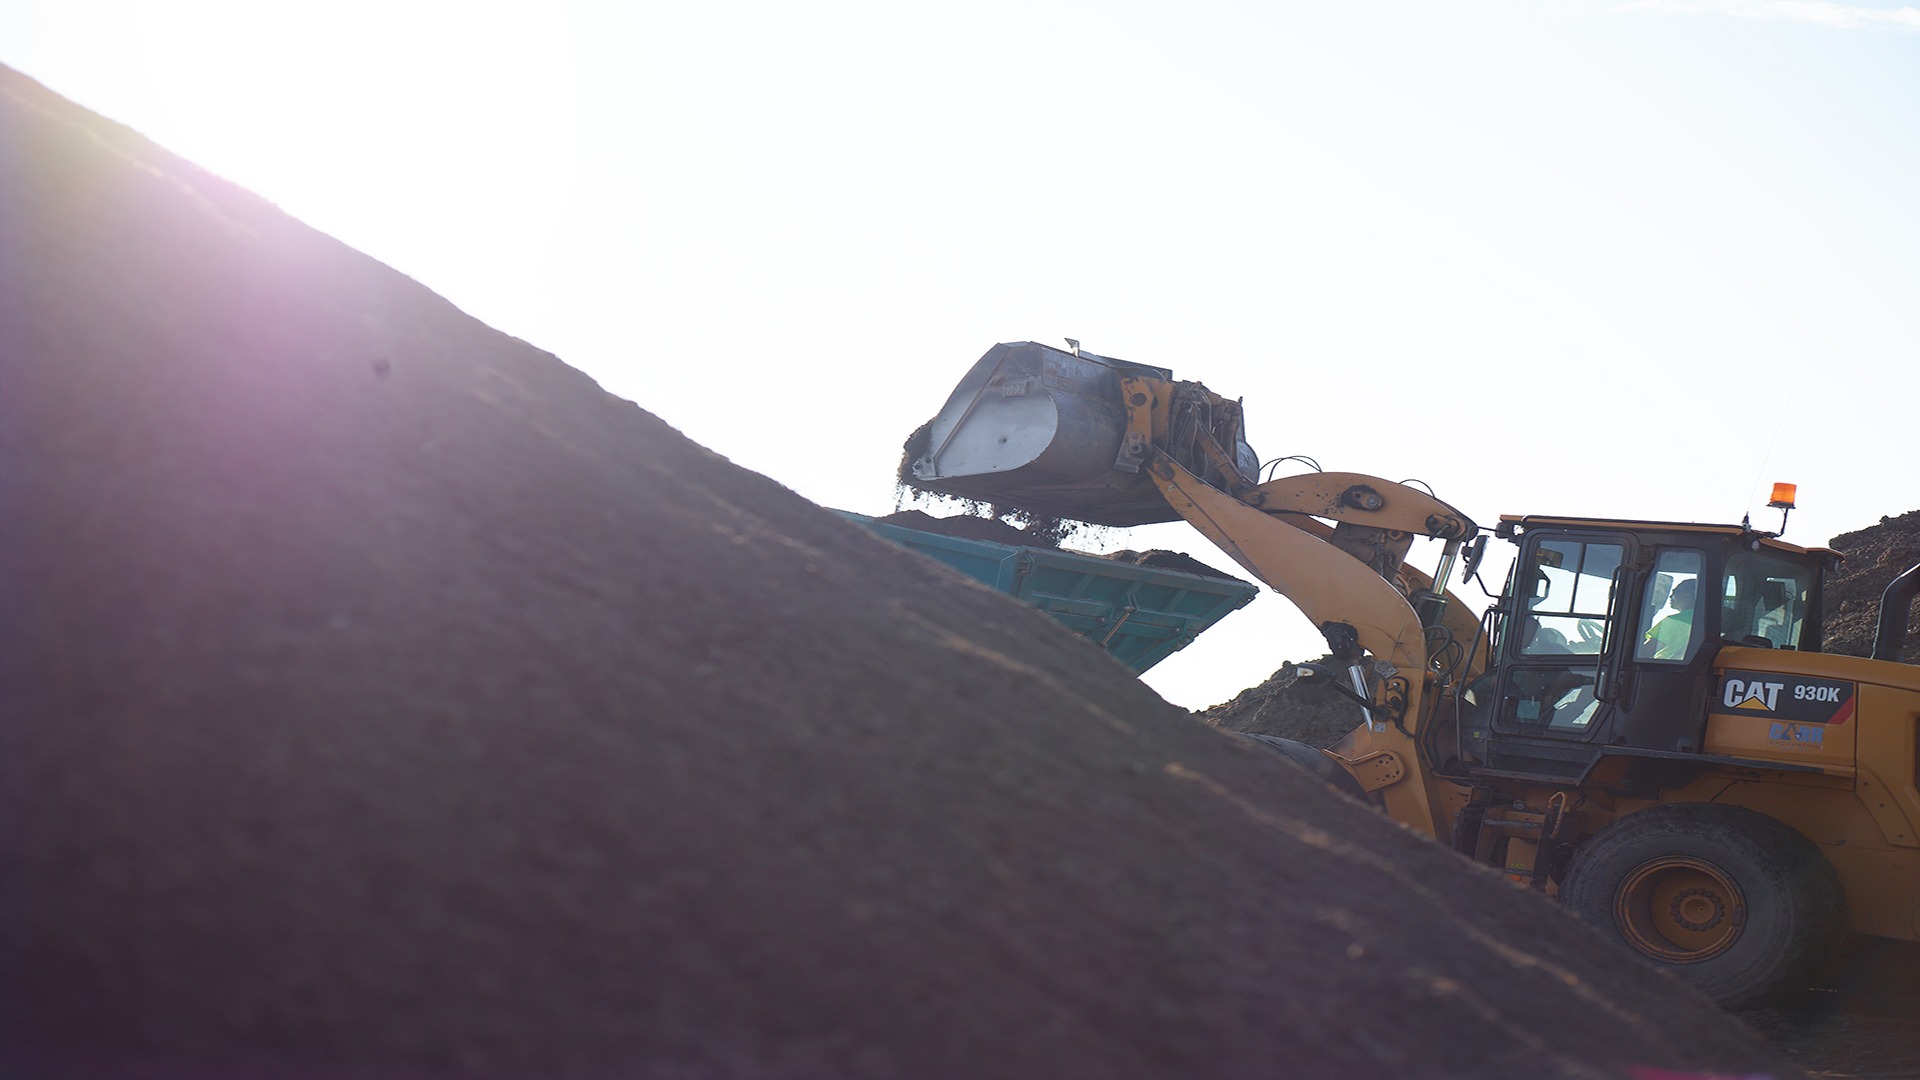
[(1617, 258)]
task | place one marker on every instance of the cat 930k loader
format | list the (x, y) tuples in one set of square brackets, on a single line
[(1642, 724)]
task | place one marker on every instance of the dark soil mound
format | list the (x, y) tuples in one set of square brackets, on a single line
[(1160, 559), (1875, 556), (1289, 708), (382, 699)]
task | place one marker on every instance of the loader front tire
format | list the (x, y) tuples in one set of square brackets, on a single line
[(1729, 899)]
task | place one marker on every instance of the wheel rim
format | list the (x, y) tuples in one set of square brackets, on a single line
[(1680, 910)]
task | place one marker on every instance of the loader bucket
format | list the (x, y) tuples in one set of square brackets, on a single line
[(1040, 429)]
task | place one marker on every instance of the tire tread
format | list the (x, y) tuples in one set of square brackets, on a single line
[(1787, 861)]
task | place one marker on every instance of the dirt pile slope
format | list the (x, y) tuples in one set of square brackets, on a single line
[(1875, 556), (382, 699)]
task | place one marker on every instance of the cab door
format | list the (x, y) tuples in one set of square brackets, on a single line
[(1676, 616), (1563, 615)]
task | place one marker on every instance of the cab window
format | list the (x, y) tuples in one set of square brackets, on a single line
[(1764, 598), (1668, 628), (1572, 591)]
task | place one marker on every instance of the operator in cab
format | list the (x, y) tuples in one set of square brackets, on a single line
[(1667, 639)]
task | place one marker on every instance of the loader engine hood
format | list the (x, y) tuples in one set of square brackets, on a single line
[(1041, 429)]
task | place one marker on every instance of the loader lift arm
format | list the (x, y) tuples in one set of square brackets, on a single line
[(1349, 596)]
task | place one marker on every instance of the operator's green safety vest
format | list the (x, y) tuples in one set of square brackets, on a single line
[(1668, 637)]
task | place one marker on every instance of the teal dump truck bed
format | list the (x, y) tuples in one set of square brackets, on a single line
[(1141, 614)]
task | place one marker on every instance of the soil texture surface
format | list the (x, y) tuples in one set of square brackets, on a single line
[(1289, 707), (1850, 615), (384, 700), (1859, 1020)]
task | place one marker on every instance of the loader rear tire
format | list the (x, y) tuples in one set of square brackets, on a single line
[(1731, 900)]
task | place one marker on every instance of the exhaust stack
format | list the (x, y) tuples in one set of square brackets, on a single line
[(1895, 605)]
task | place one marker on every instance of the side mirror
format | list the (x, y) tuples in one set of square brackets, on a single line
[(1475, 552)]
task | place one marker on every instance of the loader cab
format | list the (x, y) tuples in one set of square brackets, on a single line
[(1605, 637)]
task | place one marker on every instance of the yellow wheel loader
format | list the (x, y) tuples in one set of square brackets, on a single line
[(1642, 724)]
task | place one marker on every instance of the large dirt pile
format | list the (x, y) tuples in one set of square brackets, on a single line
[(1875, 556), (382, 699)]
